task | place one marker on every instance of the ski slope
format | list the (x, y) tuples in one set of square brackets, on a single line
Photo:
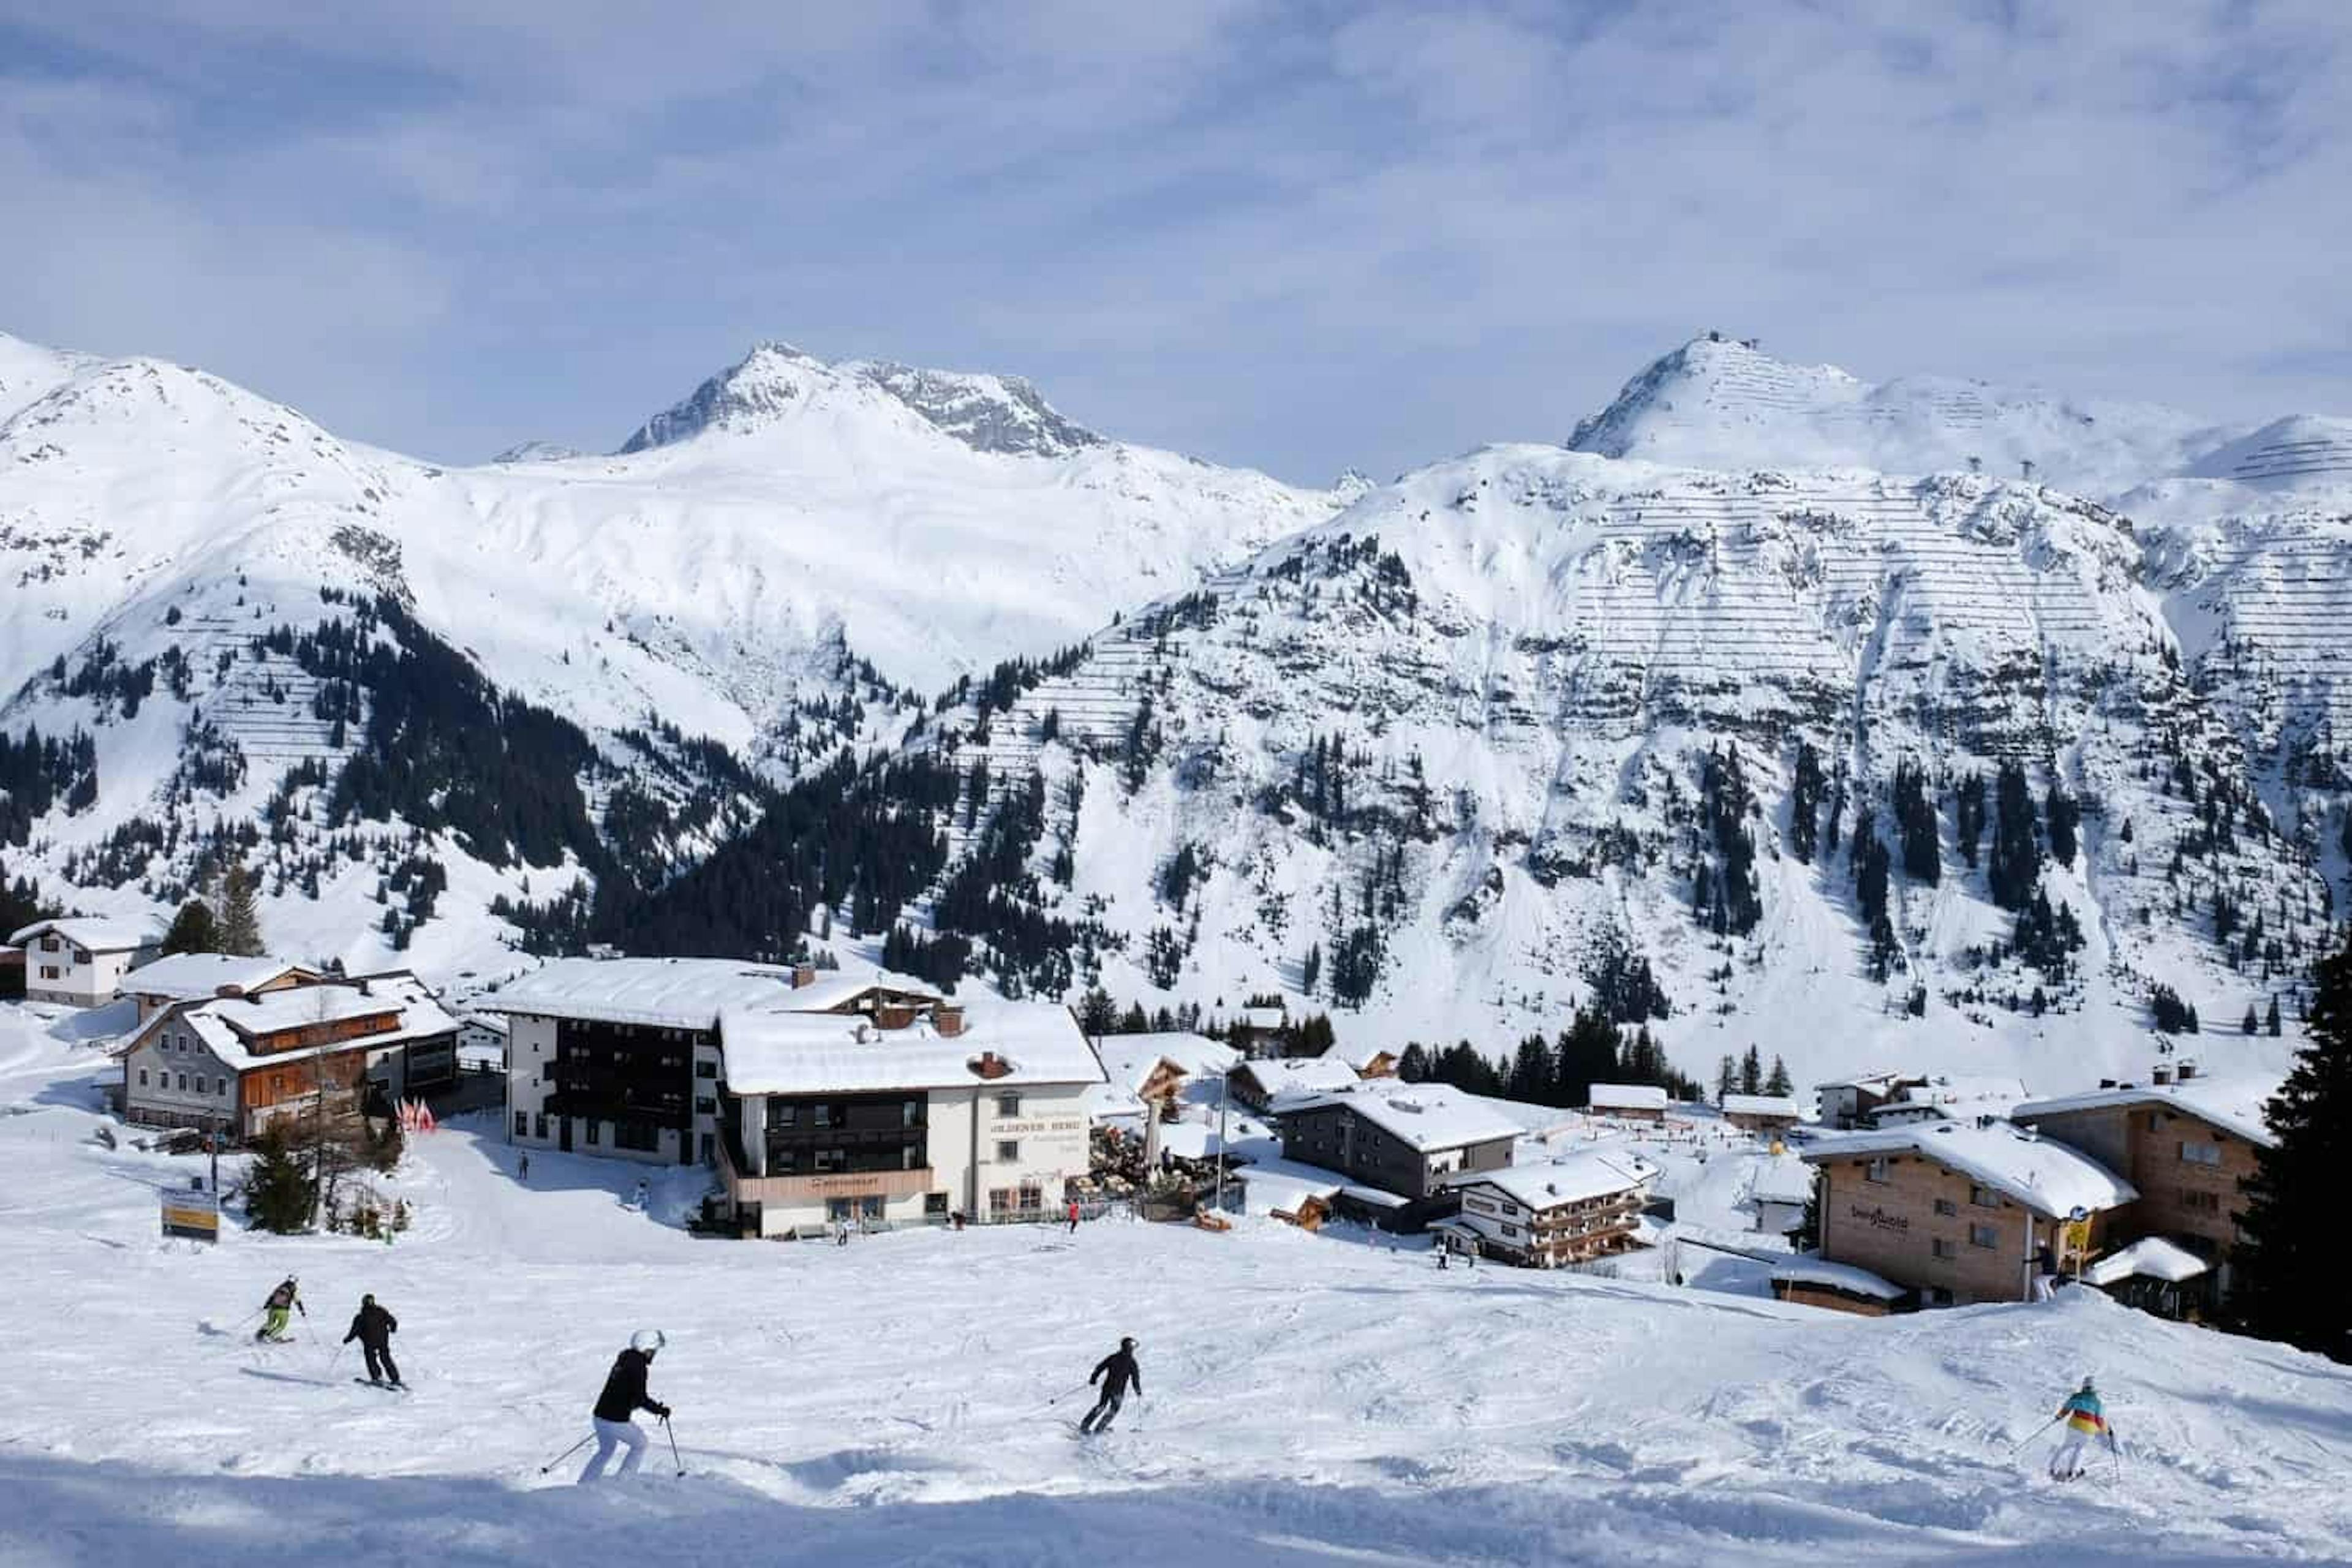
[(1310, 1399)]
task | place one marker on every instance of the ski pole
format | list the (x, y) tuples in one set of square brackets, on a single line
[(2037, 1432), (673, 1446), (1067, 1393), (567, 1453)]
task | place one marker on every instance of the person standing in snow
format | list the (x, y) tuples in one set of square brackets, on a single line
[(1117, 1373), (2087, 1421), (374, 1328), (642, 1192), (1073, 1217), (522, 1169), (286, 1297), (624, 1395)]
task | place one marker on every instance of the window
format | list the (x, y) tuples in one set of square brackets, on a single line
[(539, 1125), (706, 1070), (709, 1151), (183, 1083), (910, 1113), (824, 1116), (1946, 1206), (1938, 1296), (143, 1078), (1943, 1248), (522, 1124), (2200, 1154), (642, 1136), (704, 1105), (1985, 1236), (595, 1132), (1984, 1197), (1033, 1196), (782, 1162), (829, 1159), (1511, 1230), (49, 971), (2201, 1203), (783, 1115), (1008, 1105), (1000, 1199), (910, 1158), (1008, 1151), (935, 1203), (1876, 1170)]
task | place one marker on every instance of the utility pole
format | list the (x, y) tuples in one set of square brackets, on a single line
[(1224, 1092)]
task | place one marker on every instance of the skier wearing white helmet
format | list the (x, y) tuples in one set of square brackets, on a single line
[(624, 1395), (2087, 1423)]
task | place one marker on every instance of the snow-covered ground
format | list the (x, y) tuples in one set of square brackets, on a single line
[(1310, 1398)]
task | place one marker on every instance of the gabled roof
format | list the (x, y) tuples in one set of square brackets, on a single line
[(663, 992), (1425, 1117), (775, 1049), (1585, 1174), (2041, 1173), (1281, 1076), (2150, 1258), (1626, 1097), (1360, 1056), (834, 990), (94, 933), (194, 976), (1130, 1059), (2232, 1104), (229, 1026)]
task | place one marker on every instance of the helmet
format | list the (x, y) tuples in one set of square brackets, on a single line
[(367, 1300), (1128, 1344), (2088, 1387), (647, 1340)]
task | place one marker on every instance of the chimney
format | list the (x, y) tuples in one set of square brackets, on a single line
[(948, 1021), (804, 976), (2161, 1074), (989, 1065), (2186, 1071), (2106, 1083)]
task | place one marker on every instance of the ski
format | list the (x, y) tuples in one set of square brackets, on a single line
[(387, 1387)]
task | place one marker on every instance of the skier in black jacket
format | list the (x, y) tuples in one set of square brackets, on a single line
[(1117, 1373), (374, 1328), (624, 1395)]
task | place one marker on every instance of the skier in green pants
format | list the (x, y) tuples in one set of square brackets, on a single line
[(286, 1299)]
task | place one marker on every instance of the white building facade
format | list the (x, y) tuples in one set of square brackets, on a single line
[(81, 962)]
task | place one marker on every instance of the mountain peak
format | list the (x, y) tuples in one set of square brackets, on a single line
[(987, 413)]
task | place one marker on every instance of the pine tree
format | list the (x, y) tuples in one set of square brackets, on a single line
[(278, 1189), (1097, 1014), (2293, 1277), (1778, 1083), (2252, 1024), (1412, 1063), (194, 930), (239, 920), (1312, 969), (2271, 1023), (1751, 1072), (1726, 1078)]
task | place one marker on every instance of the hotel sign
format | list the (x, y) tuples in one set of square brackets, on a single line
[(1879, 1219), (1059, 1125)]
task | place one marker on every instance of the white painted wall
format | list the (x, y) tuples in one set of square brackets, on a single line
[(174, 1072), (58, 971)]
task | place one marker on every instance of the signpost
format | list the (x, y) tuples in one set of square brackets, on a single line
[(194, 1214)]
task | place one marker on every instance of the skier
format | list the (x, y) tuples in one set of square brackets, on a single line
[(1117, 1373), (640, 1202), (286, 1297), (374, 1328), (1073, 1217), (624, 1395), (522, 1169), (2085, 1421)]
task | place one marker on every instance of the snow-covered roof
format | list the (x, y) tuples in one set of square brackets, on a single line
[(1976, 1090), (1760, 1105), (2041, 1173), (1129, 1059), (1838, 1276), (1282, 1076), (2234, 1104), (97, 934), (1423, 1116), (1877, 1082), (227, 1025), (192, 977), (1360, 1056), (775, 1049), (1583, 1175), (1781, 1179), (668, 993), (2150, 1258), (491, 1021), (834, 990), (1264, 1018), (1281, 1185), (1626, 1097)]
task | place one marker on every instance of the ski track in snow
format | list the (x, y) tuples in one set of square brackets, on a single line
[(909, 1398)]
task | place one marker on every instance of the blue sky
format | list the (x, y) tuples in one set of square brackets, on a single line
[(1301, 236)]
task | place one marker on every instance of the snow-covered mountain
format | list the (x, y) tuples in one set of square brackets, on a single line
[(1458, 754), (793, 558), (1720, 403)]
